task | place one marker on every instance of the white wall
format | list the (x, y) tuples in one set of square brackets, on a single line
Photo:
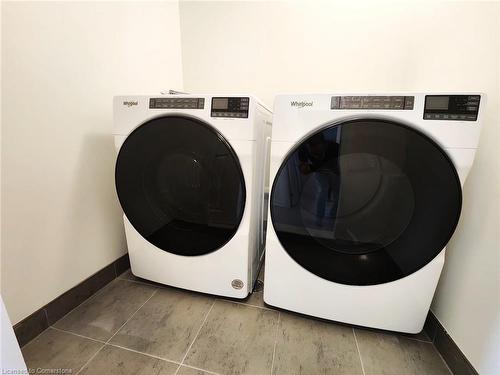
[(62, 63), (267, 48)]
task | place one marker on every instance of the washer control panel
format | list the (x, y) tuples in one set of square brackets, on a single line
[(451, 107), (373, 102), (176, 103), (230, 107)]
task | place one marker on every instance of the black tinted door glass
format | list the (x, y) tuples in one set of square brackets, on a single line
[(180, 185), (365, 202)]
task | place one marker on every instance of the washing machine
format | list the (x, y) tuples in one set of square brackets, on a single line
[(366, 193), (190, 176)]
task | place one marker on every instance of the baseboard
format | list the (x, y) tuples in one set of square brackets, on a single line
[(449, 350), (36, 323)]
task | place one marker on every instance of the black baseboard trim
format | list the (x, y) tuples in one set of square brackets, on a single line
[(449, 350), (36, 323)]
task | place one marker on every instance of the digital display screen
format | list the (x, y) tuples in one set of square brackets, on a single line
[(220, 103), (437, 102)]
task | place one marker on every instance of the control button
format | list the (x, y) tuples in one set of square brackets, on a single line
[(474, 97), (463, 117), (472, 109), (428, 116), (446, 117), (471, 117), (454, 117), (409, 101), (335, 104), (437, 117)]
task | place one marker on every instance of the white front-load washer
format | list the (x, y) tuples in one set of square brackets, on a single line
[(366, 193), (190, 175)]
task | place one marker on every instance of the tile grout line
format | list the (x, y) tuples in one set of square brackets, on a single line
[(359, 352), (132, 350), (246, 304), (95, 354), (97, 292), (84, 301), (69, 312), (200, 369), (131, 316), (220, 298), (90, 359), (157, 285), (196, 336), (275, 341), (180, 364), (77, 334), (33, 339), (146, 354), (208, 371)]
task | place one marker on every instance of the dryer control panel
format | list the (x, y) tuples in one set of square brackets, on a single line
[(451, 107), (373, 102), (176, 103), (230, 107)]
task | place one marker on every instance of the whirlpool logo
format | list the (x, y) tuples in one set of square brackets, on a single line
[(130, 103), (301, 104)]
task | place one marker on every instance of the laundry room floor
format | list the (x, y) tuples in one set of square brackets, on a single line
[(133, 326)]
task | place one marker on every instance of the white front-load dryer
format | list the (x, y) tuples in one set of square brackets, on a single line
[(366, 193), (190, 175)]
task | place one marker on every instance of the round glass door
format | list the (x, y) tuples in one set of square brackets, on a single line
[(365, 202), (180, 185)]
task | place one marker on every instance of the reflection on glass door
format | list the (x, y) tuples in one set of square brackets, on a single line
[(365, 202)]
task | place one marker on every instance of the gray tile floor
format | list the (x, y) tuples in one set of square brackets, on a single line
[(135, 327)]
